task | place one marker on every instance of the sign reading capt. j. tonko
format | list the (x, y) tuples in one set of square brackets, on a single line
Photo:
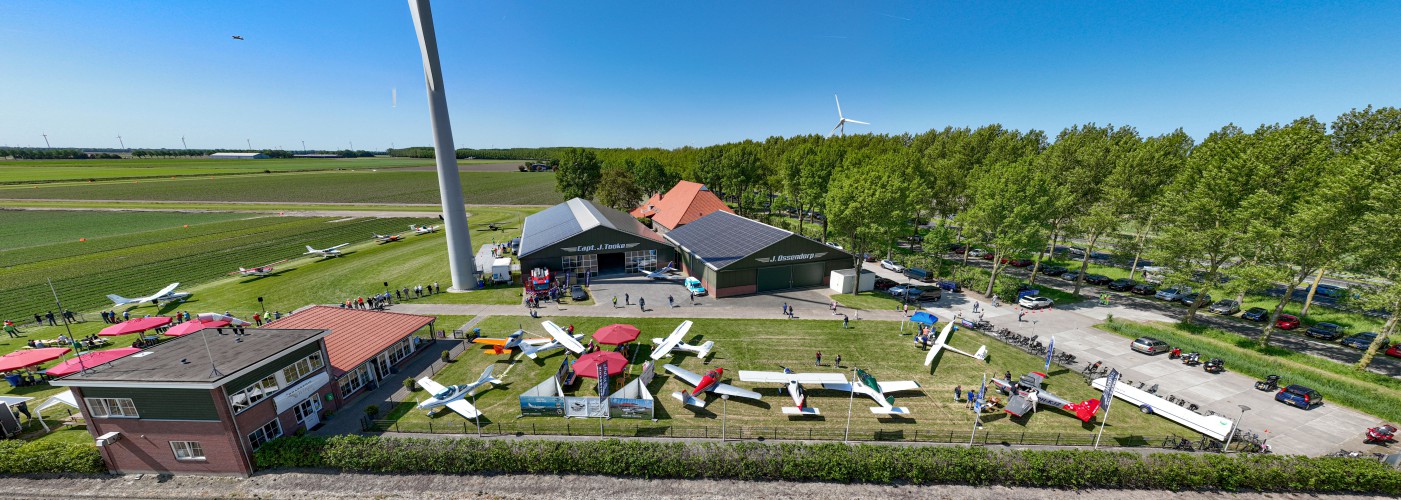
[(786, 258), (599, 247)]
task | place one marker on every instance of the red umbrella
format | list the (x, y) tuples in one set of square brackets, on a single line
[(90, 360), (134, 326), (587, 365), (189, 327), (30, 357), (616, 334)]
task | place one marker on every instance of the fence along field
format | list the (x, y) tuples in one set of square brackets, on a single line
[(134, 265), (357, 186)]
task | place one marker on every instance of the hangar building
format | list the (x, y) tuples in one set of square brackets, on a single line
[(579, 237), (732, 255)]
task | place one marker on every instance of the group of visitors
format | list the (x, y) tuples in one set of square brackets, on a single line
[(52, 319), (111, 316)]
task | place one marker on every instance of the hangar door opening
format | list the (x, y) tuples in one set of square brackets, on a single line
[(774, 278), (611, 264), (806, 275)]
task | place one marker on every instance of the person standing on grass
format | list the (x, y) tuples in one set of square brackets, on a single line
[(437, 288), (839, 361), (50, 317), (38, 320), (819, 358), (846, 322), (957, 391)]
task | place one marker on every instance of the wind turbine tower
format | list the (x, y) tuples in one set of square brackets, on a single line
[(119, 141), (182, 142), (250, 143), (46, 141), (841, 119)]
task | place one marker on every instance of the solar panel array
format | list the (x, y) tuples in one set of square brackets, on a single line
[(723, 238), (560, 222)]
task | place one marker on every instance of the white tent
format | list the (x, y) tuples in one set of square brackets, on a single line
[(63, 398)]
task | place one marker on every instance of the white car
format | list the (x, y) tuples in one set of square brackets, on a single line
[(892, 265), (1035, 302), (977, 253)]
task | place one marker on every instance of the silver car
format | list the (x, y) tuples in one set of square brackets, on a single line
[(1172, 294), (1225, 307), (892, 265), (1149, 345)]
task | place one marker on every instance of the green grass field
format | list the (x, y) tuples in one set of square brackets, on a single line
[(29, 171), (343, 186), (25, 228), (226, 206), (764, 345), (876, 300)]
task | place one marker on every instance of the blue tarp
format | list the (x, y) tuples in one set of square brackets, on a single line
[(924, 317)]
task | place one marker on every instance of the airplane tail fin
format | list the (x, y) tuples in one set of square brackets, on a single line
[(119, 300), (1084, 410), (310, 250), (982, 353), (688, 399), (705, 349), (486, 376)]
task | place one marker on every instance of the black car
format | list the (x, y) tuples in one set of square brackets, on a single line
[(1144, 289), (950, 285), (1191, 298), (1097, 279), (1070, 275), (1256, 314), (1121, 284), (1053, 270), (577, 292), (884, 283), (1325, 331)]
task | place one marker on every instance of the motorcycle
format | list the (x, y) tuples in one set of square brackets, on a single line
[(1191, 359), (1175, 353), (1216, 365), (1271, 383), (1381, 435)]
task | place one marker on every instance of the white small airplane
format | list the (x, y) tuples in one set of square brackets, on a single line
[(795, 383), (423, 229), (942, 343), (529, 347), (453, 396), (660, 274), (386, 238), (167, 294), (673, 342), (709, 383), (326, 252), (563, 337), (212, 317), (867, 385), (257, 271)]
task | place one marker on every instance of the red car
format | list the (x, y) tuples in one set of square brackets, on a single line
[(1287, 322), (1394, 351), (989, 256), (1017, 262)]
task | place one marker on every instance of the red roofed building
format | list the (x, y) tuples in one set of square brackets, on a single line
[(685, 202), (363, 346)]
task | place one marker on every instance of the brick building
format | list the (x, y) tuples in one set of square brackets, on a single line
[(364, 346)]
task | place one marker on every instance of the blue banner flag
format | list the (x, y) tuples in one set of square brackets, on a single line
[(603, 380), (1050, 351), (1108, 395), (982, 396)]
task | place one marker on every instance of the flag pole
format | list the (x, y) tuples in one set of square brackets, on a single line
[(1106, 400), (1101, 427), (850, 403), (978, 410)]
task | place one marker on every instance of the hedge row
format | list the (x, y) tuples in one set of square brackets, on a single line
[(1076, 469), (38, 457)]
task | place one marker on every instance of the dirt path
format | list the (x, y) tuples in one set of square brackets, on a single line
[(341, 485)]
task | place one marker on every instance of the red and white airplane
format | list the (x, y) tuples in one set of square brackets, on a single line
[(423, 229), (386, 238), (257, 271), (1027, 392), (795, 383), (709, 383)]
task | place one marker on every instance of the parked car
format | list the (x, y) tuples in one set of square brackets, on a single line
[(1331, 291), (1035, 302), (1325, 331), (885, 283), (957, 248), (1360, 341), (989, 256), (577, 292), (977, 253), (919, 274), (694, 285), (928, 293), (1122, 284), (1149, 345), (1172, 294), (1287, 322), (1070, 275), (868, 257), (892, 265), (1053, 270), (1144, 289), (1017, 262), (1191, 298), (1394, 351), (1097, 279), (1300, 396), (1256, 314), (898, 290), (950, 285), (1225, 307)]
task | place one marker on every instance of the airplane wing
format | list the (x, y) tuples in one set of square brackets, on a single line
[(536, 341), (732, 391), (665, 346), (564, 339), (783, 378), (938, 344), (338, 246), (899, 385), (429, 385), (462, 407), (500, 342), (1047, 398), (683, 374), (166, 290)]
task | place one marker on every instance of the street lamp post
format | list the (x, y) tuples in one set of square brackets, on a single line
[(479, 415), (850, 403), (1235, 428), (260, 306), (724, 414)]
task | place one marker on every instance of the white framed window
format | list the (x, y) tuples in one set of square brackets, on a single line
[(187, 450), (301, 368), (355, 379), (111, 408), (307, 408), (268, 432), (269, 385)]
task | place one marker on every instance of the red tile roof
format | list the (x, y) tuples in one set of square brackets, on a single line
[(685, 202), (356, 334)]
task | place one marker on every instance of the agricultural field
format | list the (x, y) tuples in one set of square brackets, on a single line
[(339, 186), (874, 346), (43, 171), (26, 228)]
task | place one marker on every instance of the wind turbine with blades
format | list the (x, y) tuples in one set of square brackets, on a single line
[(841, 119)]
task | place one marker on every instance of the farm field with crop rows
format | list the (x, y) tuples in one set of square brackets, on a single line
[(29, 228), (22, 171), (342, 186)]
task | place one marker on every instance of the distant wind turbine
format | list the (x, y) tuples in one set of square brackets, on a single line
[(46, 141), (119, 141), (182, 142), (842, 120), (250, 141)]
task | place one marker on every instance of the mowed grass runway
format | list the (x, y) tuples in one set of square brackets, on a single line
[(334, 186), (874, 346)]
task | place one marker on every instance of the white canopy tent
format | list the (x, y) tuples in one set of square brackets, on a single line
[(64, 398)]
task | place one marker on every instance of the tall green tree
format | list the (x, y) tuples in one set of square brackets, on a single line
[(1089, 164), (1356, 129), (1007, 210), (1378, 243), (618, 189), (578, 174), (868, 198), (652, 177)]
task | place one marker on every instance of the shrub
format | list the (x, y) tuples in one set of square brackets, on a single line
[(41, 457), (371, 411), (410, 384), (447, 358)]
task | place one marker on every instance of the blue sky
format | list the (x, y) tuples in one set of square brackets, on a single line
[(673, 73)]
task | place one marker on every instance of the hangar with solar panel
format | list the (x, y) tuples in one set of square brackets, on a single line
[(579, 237), (733, 255)]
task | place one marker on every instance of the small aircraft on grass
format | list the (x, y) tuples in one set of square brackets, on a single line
[(942, 343), (453, 397), (257, 271), (166, 294), (795, 383), (660, 274), (709, 383), (387, 238), (529, 347), (867, 384), (673, 342), (326, 252), (423, 229), (563, 338), (1026, 393)]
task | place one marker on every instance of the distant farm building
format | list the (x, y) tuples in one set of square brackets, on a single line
[(240, 156)]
